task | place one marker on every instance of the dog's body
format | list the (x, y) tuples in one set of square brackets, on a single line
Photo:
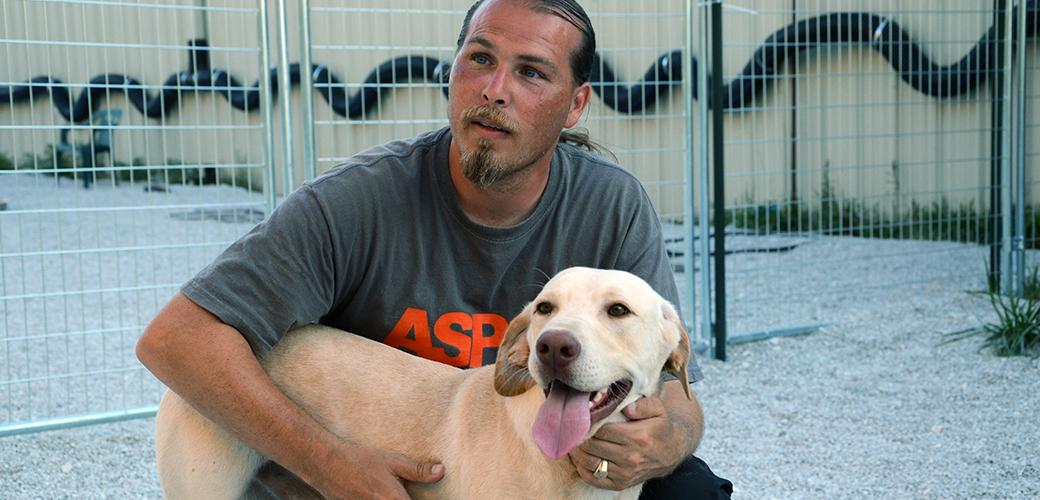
[(593, 331)]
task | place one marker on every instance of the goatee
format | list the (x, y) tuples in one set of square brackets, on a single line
[(480, 166)]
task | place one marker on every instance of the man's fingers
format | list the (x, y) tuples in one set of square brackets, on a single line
[(587, 473), (582, 459), (418, 472), (645, 407)]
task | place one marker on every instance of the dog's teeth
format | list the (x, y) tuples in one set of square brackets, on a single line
[(597, 398)]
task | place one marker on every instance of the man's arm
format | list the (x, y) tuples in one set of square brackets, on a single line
[(662, 433), (211, 366)]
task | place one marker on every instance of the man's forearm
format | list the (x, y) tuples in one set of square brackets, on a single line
[(210, 365)]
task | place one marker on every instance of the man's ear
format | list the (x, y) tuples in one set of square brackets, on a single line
[(579, 100), (511, 375), (680, 356)]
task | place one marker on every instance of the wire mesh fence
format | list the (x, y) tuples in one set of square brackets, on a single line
[(126, 167), (138, 140), (411, 45), (856, 131)]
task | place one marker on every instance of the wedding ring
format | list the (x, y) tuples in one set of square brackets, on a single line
[(601, 470)]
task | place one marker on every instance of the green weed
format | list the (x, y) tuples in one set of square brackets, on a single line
[(1017, 330)]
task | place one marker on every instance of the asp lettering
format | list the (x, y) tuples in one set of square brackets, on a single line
[(469, 336)]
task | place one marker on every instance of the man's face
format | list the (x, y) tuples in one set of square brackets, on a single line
[(511, 91)]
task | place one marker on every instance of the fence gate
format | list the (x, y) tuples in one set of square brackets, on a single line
[(140, 139), (131, 153), (853, 131)]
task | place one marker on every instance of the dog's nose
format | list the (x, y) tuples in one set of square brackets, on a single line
[(556, 350)]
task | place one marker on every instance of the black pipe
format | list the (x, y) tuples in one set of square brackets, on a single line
[(719, 167), (884, 35), (997, 148), (378, 83)]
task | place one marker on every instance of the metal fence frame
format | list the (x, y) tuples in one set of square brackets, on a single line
[(701, 183), (1009, 160), (284, 134), (99, 360)]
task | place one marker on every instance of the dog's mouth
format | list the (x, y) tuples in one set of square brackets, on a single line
[(603, 403), (567, 415)]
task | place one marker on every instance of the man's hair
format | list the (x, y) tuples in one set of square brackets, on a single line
[(581, 56)]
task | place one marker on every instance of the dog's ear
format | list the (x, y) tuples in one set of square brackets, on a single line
[(680, 356), (511, 375)]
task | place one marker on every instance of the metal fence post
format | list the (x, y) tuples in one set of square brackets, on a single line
[(310, 166), (704, 204), (285, 101), (689, 167), (1007, 217), (267, 103), (719, 165), (1019, 126), (1000, 175)]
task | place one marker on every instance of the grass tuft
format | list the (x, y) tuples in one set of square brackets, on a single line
[(1017, 330)]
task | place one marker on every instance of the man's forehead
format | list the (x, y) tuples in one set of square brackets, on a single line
[(489, 20), (484, 14)]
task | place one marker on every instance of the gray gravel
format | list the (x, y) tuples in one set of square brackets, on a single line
[(871, 407)]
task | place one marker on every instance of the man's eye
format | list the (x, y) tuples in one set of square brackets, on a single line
[(530, 73), (481, 59)]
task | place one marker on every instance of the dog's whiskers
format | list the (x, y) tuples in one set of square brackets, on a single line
[(516, 377), (538, 285)]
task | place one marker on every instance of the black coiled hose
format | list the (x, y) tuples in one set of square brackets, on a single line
[(884, 35)]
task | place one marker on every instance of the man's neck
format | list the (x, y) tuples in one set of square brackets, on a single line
[(507, 202)]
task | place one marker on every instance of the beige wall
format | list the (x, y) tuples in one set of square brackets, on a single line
[(846, 123), (74, 43), (846, 117)]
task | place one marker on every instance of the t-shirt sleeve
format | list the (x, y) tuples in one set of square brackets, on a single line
[(644, 255), (277, 277)]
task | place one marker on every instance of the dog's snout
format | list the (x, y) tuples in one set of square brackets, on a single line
[(556, 350)]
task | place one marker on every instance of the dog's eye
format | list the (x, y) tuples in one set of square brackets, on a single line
[(618, 310), (544, 308)]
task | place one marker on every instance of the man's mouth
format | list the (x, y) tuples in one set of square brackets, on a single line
[(490, 119), (491, 127)]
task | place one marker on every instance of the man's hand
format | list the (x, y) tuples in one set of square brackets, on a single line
[(372, 473), (661, 434), (360, 483)]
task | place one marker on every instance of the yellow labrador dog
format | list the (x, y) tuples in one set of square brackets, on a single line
[(592, 342)]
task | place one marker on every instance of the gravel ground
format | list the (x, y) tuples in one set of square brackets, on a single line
[(869, 407)]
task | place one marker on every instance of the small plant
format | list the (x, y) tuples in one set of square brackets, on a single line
[(1031, 284), (1017, 331)]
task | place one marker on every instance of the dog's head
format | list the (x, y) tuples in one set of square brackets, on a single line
[(594, 341)]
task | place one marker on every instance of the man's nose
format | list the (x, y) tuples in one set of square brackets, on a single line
[(496, 92)]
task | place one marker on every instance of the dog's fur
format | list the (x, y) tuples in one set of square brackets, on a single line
[(478, 423)]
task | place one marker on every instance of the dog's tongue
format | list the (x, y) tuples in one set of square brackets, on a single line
[(563, 420)]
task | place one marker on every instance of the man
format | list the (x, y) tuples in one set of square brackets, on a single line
[(417, 243)]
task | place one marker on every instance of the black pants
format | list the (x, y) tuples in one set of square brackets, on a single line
[(693, 480)]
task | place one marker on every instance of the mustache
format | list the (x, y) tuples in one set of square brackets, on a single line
[(492, 115)]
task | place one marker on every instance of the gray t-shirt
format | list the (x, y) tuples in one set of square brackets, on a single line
[(380, 246)]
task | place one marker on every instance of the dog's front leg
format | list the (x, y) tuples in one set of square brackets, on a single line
[(198, 460)]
